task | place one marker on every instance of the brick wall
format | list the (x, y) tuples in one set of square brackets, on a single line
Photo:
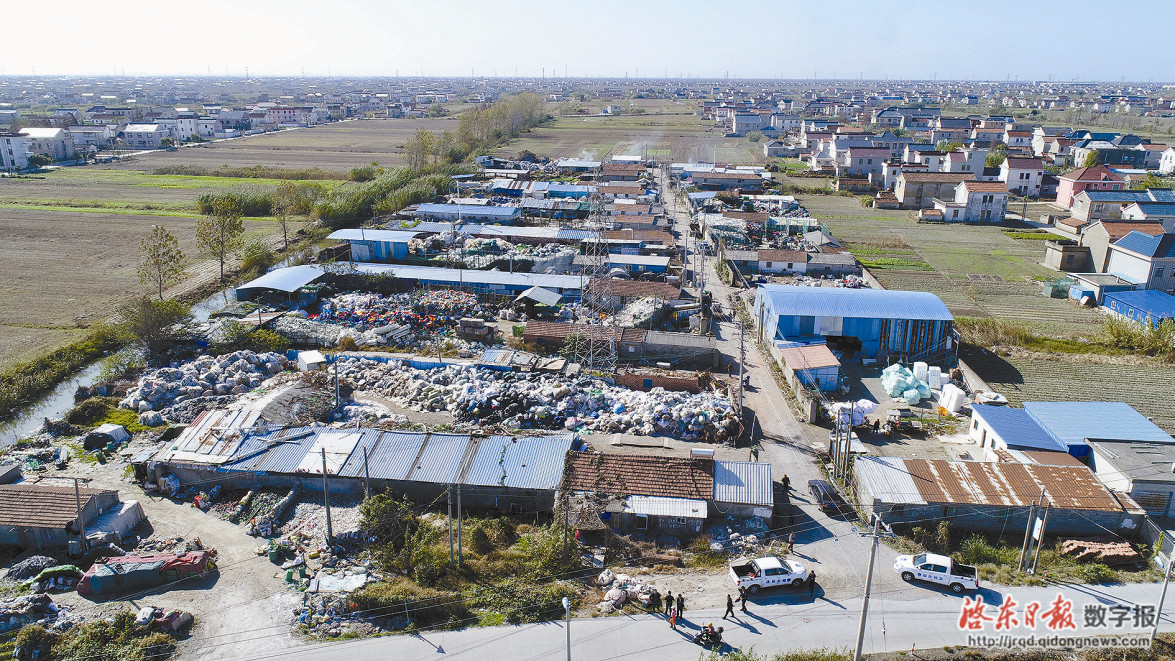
[(643, 381)]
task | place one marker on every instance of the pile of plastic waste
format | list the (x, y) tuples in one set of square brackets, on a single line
[(235, 373), (480, 396), (19, 611), (852, 414), (30, 567), (738, 535), (622, 589), (639, 313), (430, 311), (899, 381)]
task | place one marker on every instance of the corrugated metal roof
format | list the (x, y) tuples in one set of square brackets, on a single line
[(745, 482), (790, 300), (981, 483), (441, 459), (1160, 246), (1073, 422), (382, 236), (288, 279), (661, 506), (471, 277), (886, 479), (534, 462), (472, 210), (390, 455), (1016, 427), (544, 296)]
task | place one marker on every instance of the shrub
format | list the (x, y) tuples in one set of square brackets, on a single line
[(365, 172), (252, 200), (426, 607), (256, 258), (754, 136), (1097, 573)]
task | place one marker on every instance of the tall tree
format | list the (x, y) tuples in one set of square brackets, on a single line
[(419, 147), (163, 261), (285, 202), (1092, 159), (219, 234), (156, 325)]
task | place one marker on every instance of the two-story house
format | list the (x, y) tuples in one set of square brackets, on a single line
[(1091, 205), (861, 161), (1095, 178), (1099, 235), (1022, 175), (1144, 260), (975, 202), (918, 190)]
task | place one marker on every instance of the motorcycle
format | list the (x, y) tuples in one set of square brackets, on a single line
[(709, 636)]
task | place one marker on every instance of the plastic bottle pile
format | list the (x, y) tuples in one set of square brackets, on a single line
[(235, 373), (481, 396), (431, 311), (639, 313)]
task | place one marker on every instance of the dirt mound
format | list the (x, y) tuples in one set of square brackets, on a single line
[(1111, 553)]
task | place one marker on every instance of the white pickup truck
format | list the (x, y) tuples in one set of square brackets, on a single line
[(936, 568), (766, 573)]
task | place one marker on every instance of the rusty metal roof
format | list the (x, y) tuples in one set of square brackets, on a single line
[(987, 483)]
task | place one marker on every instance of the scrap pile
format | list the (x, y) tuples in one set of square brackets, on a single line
[(374, 320), (525, 400), (235, 373), (740, 536), (640, 313), (268, 511), (622, 589), (19, 611), (30, 567)]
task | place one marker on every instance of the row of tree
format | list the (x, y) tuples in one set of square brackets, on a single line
[(478, 129)]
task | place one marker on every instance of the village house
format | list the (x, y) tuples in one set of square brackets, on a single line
[(14, 152), (55, 143), (1093, 205), (145, 136), (1145, 260), (975, 202), (1095, 178), (1022, 175), (918, 190)]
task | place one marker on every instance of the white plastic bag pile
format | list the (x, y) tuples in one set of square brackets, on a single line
[(854, 414), (235, 373), (639, 313), (481, 396)]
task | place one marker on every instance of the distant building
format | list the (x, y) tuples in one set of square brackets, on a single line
[(14, 152), (1095, 178), (1022, 175), (52, 142), (975, 202), (145, 136)]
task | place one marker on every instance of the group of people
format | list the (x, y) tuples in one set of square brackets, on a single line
[(674, 608)]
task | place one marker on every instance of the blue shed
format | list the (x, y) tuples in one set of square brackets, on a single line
[(903, 326), (376, 245), (1142, 305), (469, 213), (1070, 423)]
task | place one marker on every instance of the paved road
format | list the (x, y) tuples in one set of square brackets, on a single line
[(911, 616), (830, 546)]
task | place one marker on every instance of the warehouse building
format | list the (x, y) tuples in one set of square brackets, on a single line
[(509, 474), (375, 245), (1143, 305), (469, 213), (888, 326), (991, 496)]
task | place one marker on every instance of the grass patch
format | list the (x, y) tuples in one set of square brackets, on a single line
[(116, 639), (22, 383), (123, 210), (1031, 236), (896, 264), (998, 332), (249, 172)]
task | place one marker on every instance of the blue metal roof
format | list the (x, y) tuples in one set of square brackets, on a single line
[(472, 277), (1156, 208), (1073, 422), (468, 209), (1149, 302), (382, 236), (1017, 428), (1161, 245), (790, 300), (440, 462), (287, 279), (702, 195), (1123, 196)]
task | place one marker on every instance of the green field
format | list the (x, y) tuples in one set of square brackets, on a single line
[(978, 271), (666, 132)]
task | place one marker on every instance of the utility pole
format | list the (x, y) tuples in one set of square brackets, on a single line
[(1163, 594), (326, 500), (742, 352), (77, 497), (1040, 541), (459, 560), (868, 587), (366, 476), (567, 624), (449, 498), (1027, 534), (566, 521)]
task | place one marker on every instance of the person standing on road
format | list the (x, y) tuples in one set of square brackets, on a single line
[(791, 542), (729, 607), (668, 601), (673, 619), (681, 604), (786, 483), (811, 584), (742, 596)]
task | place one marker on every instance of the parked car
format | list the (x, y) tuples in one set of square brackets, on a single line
[(939, 569), (827, 498), (760, 573)]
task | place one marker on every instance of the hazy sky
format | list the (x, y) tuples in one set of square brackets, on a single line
[(993, 39)]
